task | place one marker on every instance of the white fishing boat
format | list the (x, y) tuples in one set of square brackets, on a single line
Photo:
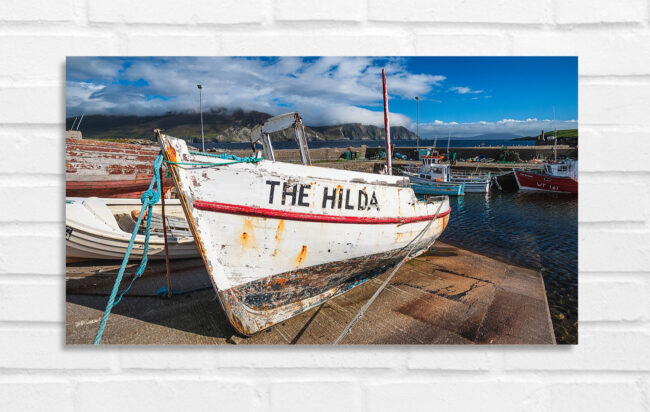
[(101, 229), (279, 238)]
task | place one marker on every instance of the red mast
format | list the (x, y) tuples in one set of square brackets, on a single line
[(389, 167)]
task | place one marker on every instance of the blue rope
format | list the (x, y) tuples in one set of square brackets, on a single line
[(228, 156), (149, 198)]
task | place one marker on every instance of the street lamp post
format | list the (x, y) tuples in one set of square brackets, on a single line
[(201, 110), (417, 116)]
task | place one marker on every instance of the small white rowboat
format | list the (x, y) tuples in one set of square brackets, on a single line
[(101, 229), (280, 238)]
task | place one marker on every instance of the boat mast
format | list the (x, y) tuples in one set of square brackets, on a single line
[(79, 124), (389, 168), (448, 140), (555, 138)]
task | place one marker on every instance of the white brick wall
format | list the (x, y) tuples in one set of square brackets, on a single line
[(610, 368)]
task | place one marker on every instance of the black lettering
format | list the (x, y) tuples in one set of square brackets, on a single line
[(302, 195), (373, 201), (326, 198), (347, 200), (339, 190), (291, 193), (363, 195), (273, 184)]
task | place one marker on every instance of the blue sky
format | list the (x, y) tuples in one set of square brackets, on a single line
[(464, 96)]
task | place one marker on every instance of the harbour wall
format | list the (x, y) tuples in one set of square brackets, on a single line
[(335, 153)]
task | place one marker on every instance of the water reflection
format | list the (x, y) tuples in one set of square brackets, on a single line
[(536, 230)]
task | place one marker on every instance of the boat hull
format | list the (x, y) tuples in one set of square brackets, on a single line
[(474, 185), (90, 237), (435, 189), (106, 169), (279, 238), (538, 182)]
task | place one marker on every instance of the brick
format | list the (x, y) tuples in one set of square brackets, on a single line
[(319, 396), (30, 207), (32, 254), (37, 10), (613, 48), (616, 205), (595, 396), (269, 44), (336, 10), (36, 396), (612, 300), (599, 11), (311, 357), (42, 57), (613, 251), (454, 395), (598, 350), (172, 45), (25, 302), (166, 358), (194, 394), (472, 11), (449, 358), (26, 348), (605, 150), (35, 104), (613, 103), (460, 44), (153, 12), (45, 146)]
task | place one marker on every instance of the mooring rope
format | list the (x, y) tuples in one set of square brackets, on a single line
[(383, 285), (149, 198)]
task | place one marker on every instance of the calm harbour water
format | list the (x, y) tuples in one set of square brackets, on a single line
[(539, 231)]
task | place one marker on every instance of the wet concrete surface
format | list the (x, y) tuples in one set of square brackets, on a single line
[(446, 296)]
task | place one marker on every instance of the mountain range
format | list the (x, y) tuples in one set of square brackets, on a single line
[(218, 125)]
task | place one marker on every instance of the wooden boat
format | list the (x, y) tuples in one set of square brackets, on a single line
[(432, 188), (556, 177), (280, 238), (108, 169), (101, 229)]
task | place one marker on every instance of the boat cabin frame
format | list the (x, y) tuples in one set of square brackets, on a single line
[(262, 133)]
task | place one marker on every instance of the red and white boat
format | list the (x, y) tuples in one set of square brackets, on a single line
[(556, 177), (108, 169), (278, 238)]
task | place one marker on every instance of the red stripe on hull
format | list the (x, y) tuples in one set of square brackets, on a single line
[(124, 189), (307, 217), (545, 183)]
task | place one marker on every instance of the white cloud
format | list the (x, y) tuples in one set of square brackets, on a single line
[(323, 90), (465, 90)]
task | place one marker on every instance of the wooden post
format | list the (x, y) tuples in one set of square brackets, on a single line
[(164, 222), (389, 155)]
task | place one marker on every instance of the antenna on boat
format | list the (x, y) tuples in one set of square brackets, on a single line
[(389, 168), (79, 124), (435, 141)]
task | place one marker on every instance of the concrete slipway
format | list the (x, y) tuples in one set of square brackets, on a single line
[(447, 296)]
